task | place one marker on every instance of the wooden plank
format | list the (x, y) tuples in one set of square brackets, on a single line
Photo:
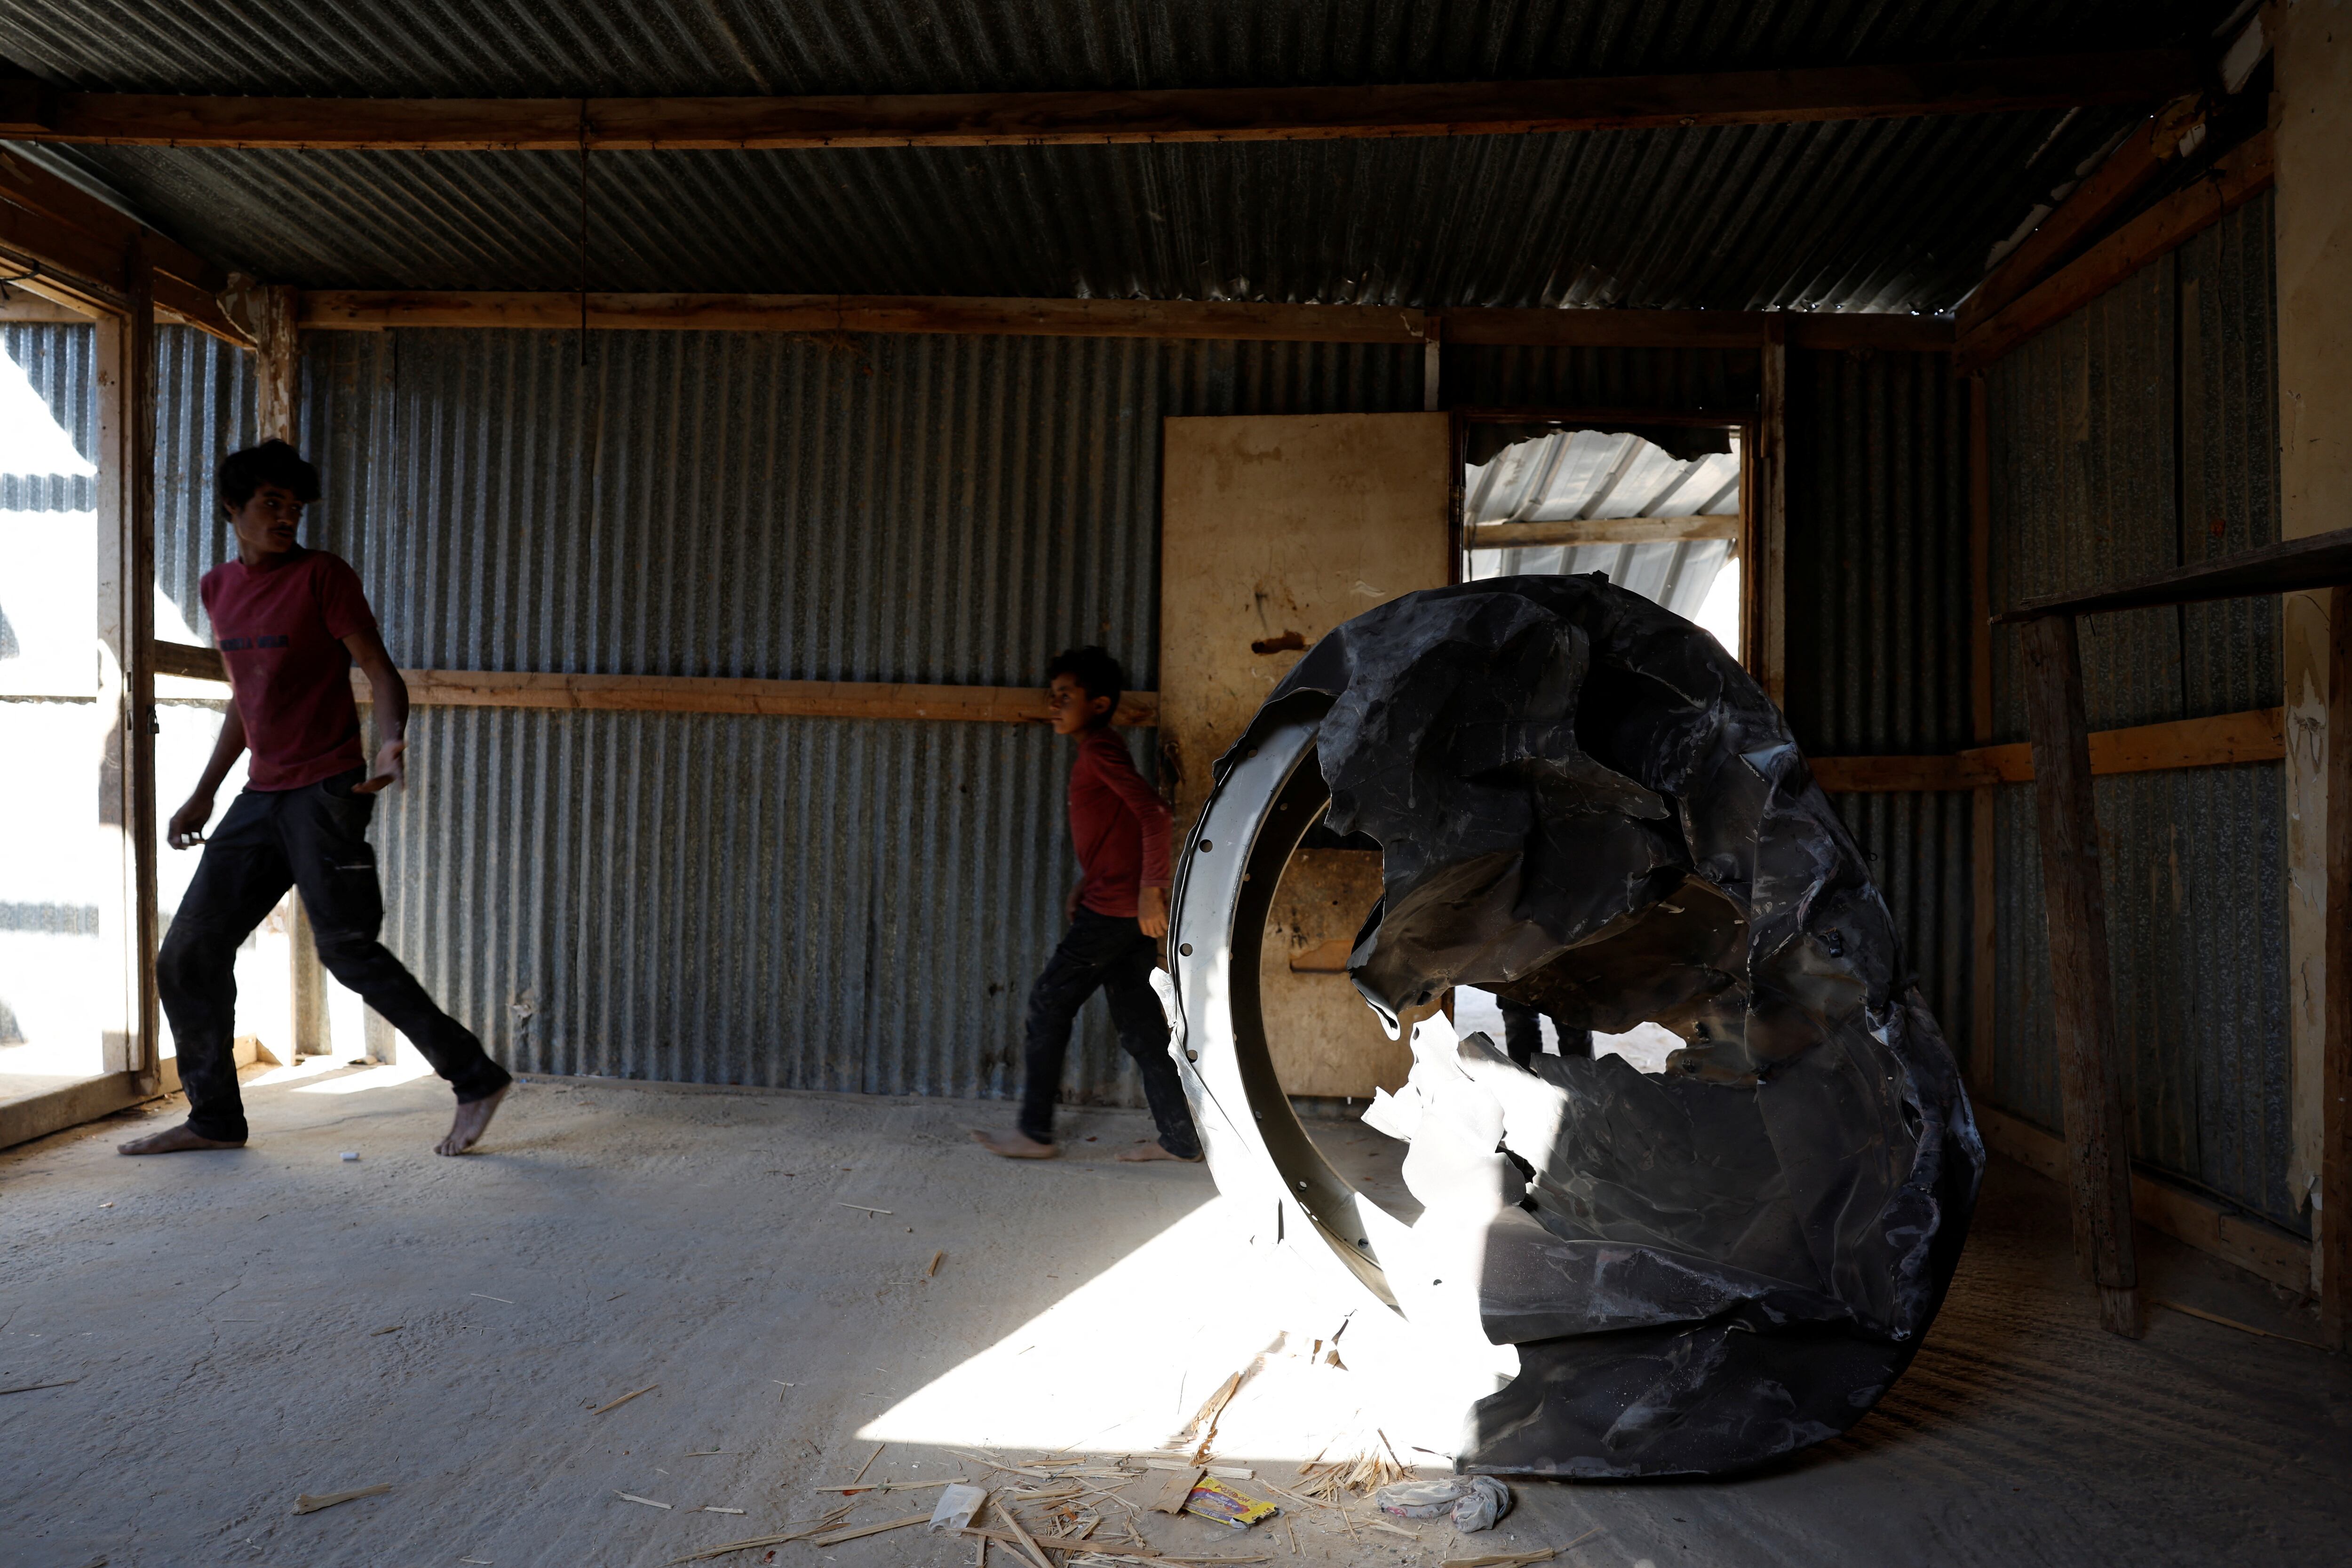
[(697, 694), (32, 239), (351, 309), (30, 186), (2082, 987), (2293, 566), (32, 1115), (2237, 178), (36, 112), (32, 309), (1764, 562), (2103, 194), (1897, 776), (277, 362), (125, 367), (1273, 530), (2259, 1249), (1984, 997), (1603, 530), (362, 310), (2332, 1214), (2258, 735), (69, 231)]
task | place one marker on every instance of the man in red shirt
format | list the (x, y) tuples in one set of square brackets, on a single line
[(1117, 913), (290, 624)]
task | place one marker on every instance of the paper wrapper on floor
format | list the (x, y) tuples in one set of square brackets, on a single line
[(1584, 805), (1213, 1498)]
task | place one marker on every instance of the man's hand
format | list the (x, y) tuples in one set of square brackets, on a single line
[(1151, 911), (389, 769), (186, 829)]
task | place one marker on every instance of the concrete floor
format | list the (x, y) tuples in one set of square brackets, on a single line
[(222, 1316)]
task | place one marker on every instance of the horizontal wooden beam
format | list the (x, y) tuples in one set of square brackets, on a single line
[(2252, 1244), (35, 111), (2291, 566), (1897, 774), (1821, 330), (1602, 530), (38, 1114), (2103, 194), (2235, 179), (78, 246), (2256, 736), (697, 694), (347, 310), (33, 308)]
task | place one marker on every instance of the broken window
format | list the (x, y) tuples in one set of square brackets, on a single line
[(1654, 508)]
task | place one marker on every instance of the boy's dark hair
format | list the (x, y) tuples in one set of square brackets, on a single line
[(1096, 672), (271, 463)]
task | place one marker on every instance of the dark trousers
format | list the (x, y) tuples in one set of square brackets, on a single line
[(1523, 1034), (314, 839), (1110, 953)]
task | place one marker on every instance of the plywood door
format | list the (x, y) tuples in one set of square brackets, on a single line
[(1273, 530)]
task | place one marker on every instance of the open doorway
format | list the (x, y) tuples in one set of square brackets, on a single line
[(1657, 509)]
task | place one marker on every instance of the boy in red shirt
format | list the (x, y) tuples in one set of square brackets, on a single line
[(290, 623), (1117, 913)]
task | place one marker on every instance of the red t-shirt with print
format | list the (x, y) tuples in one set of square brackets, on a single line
[(280, 630)]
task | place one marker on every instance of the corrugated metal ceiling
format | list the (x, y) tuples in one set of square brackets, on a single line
[(1887, 216)]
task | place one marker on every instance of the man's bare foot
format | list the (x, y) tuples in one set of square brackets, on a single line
[(173, 1141), (1146, 1149), (1014, 1146), (473, 1119)]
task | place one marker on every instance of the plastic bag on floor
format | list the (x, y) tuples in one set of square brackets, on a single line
[(1475, 1502), (958, 1503)]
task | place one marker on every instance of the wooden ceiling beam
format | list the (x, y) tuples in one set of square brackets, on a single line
[(73, 242), (2237, 178), (35, 111), (1244, 321)]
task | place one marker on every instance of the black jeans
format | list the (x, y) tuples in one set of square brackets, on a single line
[(1523, 1033), (1109, 952), (315, 839)]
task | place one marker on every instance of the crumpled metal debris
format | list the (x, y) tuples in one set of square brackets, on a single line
[(1585, 804)]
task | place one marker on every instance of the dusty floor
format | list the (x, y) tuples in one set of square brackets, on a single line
[(224, 1316)]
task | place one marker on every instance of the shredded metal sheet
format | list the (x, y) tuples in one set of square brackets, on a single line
[(1584, 804)]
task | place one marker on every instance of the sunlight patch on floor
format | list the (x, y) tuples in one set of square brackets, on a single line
[(1122, 1362), (391, 1075)]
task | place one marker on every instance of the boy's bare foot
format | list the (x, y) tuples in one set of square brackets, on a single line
[(473, 1119), (1014, 1146), (1146, 1149), (173, 1141)]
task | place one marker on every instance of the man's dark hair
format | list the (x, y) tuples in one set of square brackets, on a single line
[(271, 463), (1096, 673)]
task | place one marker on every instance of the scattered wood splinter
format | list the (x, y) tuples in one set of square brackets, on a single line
[(624, 1399), (306, 1503)]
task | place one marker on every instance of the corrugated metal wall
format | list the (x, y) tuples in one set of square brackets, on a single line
[(56, 361), (1878, 627), (1684, 379), (813, 903), (2138, 435)]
